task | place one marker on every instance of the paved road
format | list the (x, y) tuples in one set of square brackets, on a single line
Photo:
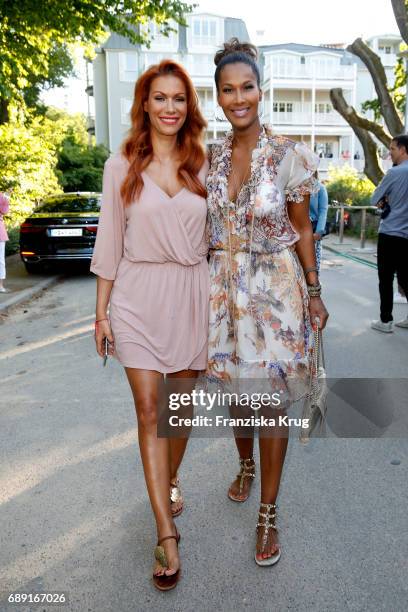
[(74, 514)]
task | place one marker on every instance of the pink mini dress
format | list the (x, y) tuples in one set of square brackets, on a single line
[(155, 252)]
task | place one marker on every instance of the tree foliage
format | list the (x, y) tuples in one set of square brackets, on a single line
[(346, 187), (389, 105), (45, 156), (35, 33)]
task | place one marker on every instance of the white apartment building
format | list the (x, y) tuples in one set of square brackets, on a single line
[(118, 63), (296, 81)]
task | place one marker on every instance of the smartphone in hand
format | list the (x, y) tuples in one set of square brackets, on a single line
[(106, 350)]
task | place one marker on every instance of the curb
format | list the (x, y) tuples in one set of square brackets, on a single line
[(27, 294), (352, 257)]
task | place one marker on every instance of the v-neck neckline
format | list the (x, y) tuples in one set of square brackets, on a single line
[(169, 197), (229, 139)]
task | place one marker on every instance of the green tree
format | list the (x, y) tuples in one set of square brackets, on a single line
[(32, 32), (388, 106), (346, 187), (49, 153), (80, 166)]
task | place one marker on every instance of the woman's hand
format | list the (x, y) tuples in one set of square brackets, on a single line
[(318, 309), (102, 331)]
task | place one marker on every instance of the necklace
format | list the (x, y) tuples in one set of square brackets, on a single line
[(232, 298)]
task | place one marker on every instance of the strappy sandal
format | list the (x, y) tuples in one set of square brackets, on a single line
[(176, 496), (245, 466), (164, 582), (269, 523)]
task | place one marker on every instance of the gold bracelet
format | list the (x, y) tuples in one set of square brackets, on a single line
[(314, 290)]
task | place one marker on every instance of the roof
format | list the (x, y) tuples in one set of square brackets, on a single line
[(299, 48), (116, 41), (235, 27), (385, 36)]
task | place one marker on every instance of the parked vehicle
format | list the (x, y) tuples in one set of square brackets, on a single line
[(62, 228)]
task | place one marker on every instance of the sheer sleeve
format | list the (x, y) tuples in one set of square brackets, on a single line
[(108, 249), (300, 165)]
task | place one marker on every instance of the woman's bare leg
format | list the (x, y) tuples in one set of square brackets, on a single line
[(180, 382), (148, 392), (272, 451), (245, 448)]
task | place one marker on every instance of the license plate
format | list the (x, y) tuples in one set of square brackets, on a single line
[(72, 231)]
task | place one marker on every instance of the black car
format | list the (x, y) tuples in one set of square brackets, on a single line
[(61, 228)]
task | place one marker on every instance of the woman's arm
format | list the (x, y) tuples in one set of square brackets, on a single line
[(108, 249), (102, 325), (299, 217)]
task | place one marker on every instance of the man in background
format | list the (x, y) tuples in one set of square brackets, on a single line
[(392, 249)]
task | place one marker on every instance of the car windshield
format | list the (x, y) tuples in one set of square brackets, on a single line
[(75, 204)]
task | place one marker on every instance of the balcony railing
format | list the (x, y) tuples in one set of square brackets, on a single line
[(302, 115), (288, 70)]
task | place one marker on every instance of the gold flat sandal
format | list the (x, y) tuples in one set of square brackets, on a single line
[(176, 496), (164, 582)]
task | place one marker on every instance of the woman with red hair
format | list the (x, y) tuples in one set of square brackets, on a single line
[(150, 260)]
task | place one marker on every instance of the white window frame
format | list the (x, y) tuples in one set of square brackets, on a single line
[(203, 39), (128, 66), (125, 106), (159, 40)]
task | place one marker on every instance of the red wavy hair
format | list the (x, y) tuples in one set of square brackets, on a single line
[(137, 148)]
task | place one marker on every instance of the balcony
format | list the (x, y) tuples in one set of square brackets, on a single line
[(200, 65), (302, 115), (287, 70), (388, 59)]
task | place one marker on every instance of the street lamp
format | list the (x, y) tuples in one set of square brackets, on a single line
[(404, 54)]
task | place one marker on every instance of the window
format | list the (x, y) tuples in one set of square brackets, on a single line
[(125, 106), (303, 60), (158, 39), (204, 32), (283, 107), (128, 66)]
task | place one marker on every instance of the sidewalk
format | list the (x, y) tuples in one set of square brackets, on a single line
[(350, 248), (22, 286)]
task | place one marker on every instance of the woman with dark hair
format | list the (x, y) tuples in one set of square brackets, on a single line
[(264, 288), (150, 260)]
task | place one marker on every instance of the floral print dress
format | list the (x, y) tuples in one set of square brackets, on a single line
[(259, 324)]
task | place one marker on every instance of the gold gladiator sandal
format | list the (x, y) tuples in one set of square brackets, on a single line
[(269, 517), (247, 470)]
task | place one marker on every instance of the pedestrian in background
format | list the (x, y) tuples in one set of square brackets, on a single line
[(4, 208), (392, 250), (319, 204)]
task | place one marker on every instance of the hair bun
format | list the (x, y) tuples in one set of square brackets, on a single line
[(235, 46)]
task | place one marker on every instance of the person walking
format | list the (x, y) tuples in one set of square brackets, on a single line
[(4, 208), (150, 258), (392, 248), (319, 205), (264, 288)]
